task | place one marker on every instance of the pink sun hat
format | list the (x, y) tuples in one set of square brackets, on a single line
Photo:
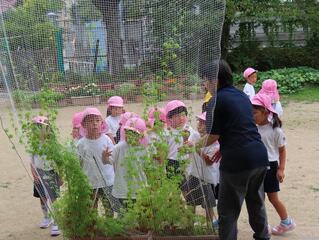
[(137, 125), (40, 120), (92, 111), (115, 101), (202, 116), (123, 119), (77, 119), (248, 72), (269, 87), (151, 115), (263, 100), (173, 105), (126, 116)]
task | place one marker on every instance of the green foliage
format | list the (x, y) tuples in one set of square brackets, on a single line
[(21, 97), (308, 94), (289, 80), (152, 93), (28, 24), (73, 211), (193, 80), (159, 208), (270, 58), (85, 11), (46, 95), (273, 16), (126, 89), (196, 89)]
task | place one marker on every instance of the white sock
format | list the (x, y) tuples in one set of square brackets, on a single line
[(44, 210)]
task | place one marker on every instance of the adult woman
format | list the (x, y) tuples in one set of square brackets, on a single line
[(244, 157)]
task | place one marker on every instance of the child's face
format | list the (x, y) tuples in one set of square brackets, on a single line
[(201, 126), (43, 131), (116, 111), (92, 123), (209, 85), (76, 133), (132, 138), (260, 116), (178, 120), (252, 79)]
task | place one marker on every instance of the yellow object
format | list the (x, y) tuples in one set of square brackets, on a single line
[(207, 97)]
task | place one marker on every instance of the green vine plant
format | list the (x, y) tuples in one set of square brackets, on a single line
[(159, 208), (73, 211), (153, 91)]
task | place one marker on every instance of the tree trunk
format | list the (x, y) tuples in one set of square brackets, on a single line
[(225, 39), (111, 17)]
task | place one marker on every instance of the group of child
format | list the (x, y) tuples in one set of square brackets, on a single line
[(267, 111), (103, 146)]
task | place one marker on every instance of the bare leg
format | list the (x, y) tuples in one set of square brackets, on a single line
[(278, 205)]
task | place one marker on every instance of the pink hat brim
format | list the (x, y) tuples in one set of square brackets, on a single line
[(258, 103), (116, 105)]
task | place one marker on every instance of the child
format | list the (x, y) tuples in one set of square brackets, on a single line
[(179, 133), (76, 123), (156, 133), (123, 119), (93, 148), (207, 97), (250, 76), (127, 159), (156, 118), (269, 87), (203, 175), (46, 181), (269, 127), (115, 109)]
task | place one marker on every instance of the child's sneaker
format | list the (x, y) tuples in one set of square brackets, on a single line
[(46, 222), (215, 224), (283, 228), (269, 229), (55, 230)]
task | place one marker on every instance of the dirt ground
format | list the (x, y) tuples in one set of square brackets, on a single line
[(20, 212)]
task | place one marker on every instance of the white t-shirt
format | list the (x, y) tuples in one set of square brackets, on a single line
[(175, 140), (123, 182), (90, 153), (41, 163), (199, 168), (249, 90), (278, 108), (113, 124), (273, 139)]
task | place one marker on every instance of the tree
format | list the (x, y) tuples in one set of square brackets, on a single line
[(27, 26), (309, 19), (272, 16), (111, 17)]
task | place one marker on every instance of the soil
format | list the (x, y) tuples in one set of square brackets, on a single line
[(20, 213)]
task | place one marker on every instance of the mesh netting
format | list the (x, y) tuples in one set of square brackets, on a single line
[(65, 55)]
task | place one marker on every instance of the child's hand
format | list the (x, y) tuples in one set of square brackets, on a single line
[(280, 175), (188, 143), (207, 159), (105, 156)]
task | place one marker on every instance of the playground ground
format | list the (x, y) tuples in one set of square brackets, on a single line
[(20, 212)]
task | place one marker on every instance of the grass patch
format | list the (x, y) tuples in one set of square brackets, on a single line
[(315, 189), (308, 94)]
